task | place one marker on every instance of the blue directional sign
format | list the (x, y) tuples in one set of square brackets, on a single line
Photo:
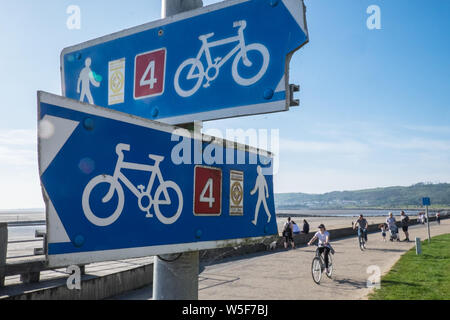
[(117, 186), (225, 60), (426, 201)]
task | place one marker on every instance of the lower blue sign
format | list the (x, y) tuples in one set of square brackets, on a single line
[(118, 187)]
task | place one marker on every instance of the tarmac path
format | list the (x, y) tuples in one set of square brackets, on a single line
[(286, 274)]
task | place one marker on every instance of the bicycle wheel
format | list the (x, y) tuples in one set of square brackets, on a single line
[(361, 243), (316, 270), (102, 222), (193, 65), (330, 266), (165, 186), (262, 50)]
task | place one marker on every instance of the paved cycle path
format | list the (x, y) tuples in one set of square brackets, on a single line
[(287, 274)]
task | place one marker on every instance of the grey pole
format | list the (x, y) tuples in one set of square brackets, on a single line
[(428, 224), (175, 277), (418, 246), (172, 7), (3, 251)]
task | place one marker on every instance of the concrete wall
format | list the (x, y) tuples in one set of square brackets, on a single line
[(95, 288)]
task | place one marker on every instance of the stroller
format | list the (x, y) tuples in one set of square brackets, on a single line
[(393, 230)]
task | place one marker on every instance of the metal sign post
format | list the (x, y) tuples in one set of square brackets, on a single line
[(418, 246), (176, 277), (426, 202), (428, 225)]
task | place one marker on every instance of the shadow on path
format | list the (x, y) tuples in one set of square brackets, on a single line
[(353, 283), (219, 279), (392, 282)]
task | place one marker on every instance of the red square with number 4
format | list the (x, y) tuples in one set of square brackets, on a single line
[(207, 191), (149, 72)]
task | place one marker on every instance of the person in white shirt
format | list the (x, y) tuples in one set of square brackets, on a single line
[(390, 221), (324, 243)]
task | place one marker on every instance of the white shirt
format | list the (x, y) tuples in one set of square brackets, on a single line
[(322, 237), (390, 221)]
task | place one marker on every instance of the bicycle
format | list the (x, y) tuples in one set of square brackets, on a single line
[(362, 238), (140, 191), (318, 266), (212, 69)]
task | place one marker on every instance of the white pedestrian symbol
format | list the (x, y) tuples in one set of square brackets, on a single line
[(85, 79), (263, 194)]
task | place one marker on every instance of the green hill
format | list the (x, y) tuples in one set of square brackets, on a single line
[(390, 197)]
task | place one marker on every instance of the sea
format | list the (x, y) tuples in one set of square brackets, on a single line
[(23, 223), (343, 212)]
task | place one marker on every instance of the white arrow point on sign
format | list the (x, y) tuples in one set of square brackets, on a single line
[(281, 85), (56, 233), (296, 9), (53, 134)]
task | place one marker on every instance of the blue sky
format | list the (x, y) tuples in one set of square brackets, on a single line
[(374, 103)]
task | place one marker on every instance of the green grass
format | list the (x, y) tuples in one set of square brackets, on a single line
[(419, 277)]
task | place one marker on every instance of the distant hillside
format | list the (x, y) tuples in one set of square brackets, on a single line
[(390, 197)]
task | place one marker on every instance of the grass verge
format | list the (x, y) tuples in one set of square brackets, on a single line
[(419, 277)]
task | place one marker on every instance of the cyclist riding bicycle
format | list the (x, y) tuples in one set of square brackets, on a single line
[(324, 243), (362, 227)]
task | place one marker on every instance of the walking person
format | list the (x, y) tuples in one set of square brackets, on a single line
[(422, 217), (392, 225), (287, 234), (438, 218), (383, 227), (405, 225)]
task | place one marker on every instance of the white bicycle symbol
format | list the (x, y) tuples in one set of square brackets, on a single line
[(140, 192), (197, 70)]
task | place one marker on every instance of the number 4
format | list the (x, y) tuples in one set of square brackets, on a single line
[(210, 199), (150, 82)]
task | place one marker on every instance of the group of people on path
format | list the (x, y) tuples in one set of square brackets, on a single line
[(323, 236), (391, 225), (290, 228)]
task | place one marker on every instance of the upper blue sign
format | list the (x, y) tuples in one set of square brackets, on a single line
[(118, 186), (224, 60)]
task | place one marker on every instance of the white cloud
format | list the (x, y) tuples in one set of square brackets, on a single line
[(18, 137), (18, 148), (420, 144), (341, 147), (429, 129), (19, 178)]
